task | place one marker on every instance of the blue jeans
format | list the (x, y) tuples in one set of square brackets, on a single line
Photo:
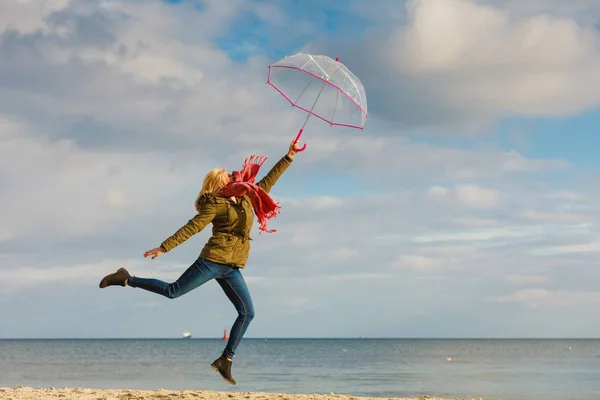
[(201, 271)]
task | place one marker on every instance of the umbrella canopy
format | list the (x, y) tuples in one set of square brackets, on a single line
[(321, 87)]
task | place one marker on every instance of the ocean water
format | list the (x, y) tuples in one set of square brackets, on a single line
[(493, 369)]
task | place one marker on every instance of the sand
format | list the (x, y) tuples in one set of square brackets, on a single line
[(27, 393)]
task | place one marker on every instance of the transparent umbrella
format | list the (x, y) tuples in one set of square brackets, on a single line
[(321, 87)]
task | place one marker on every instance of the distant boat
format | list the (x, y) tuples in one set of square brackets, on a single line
[(187, 335), (224, 334)]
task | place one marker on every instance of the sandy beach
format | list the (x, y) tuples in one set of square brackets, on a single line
[(27, 393)]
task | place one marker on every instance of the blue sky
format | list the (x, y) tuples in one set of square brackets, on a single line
[(570, 137), (466, 208), (250, 35)]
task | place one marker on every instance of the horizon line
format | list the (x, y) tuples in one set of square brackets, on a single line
[(304, 338)]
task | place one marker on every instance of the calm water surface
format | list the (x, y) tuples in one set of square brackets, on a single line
[(493, 369)]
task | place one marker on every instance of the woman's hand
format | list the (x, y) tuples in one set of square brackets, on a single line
[(154, 253), (293, 149)]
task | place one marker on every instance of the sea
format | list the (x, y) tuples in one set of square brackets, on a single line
[(493, 369)]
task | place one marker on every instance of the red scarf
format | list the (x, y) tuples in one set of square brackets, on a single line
[(264, 206)]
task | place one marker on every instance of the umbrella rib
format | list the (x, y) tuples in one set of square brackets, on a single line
[(351, 77), (319, 95), (313, 106), (317, 64), (337, 96), (301, 93), (360, 98)]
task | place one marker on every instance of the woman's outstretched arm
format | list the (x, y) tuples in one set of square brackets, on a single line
[(206, 214), (267, 182)]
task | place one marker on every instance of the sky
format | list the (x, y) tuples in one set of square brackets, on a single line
[(467, 206)]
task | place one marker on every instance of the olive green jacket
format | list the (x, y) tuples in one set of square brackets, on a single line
[(230, 240)]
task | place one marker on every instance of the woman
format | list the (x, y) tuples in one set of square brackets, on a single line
[(230, 202)]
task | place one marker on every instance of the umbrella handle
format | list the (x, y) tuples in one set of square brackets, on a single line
[(298, 138)]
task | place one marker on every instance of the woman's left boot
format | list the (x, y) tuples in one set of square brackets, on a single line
[(116, 278), (223, 366)]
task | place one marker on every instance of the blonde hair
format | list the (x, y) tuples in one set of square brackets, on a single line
[(214, 181)]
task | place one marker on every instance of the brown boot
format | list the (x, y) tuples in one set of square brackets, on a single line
[(223, 366), (116, 278)]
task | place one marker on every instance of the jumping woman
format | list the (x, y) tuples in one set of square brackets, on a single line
[(230, 202)]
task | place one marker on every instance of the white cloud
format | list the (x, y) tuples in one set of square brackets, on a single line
[(139, 87), (22, 277), (558, 216), (590, 247), (419, 262), (475, 196), (534, 298), (461, 65), (565, 195), (437, 192), (467, 195), (538, 65), (27, 16), (317, 203), (585, 11), (474, 235), (387, 159), (527, 279), (343, 254), (58, 187), (115, 196)]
